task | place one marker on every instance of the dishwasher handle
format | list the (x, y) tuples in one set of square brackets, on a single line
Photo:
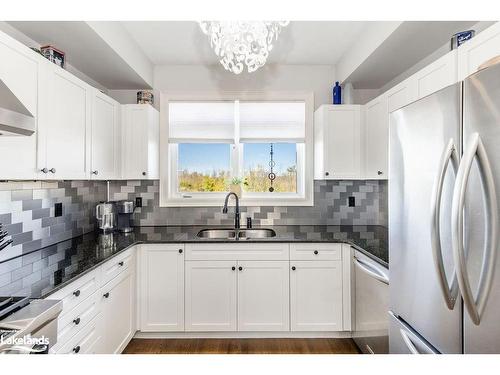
[(371, 271)]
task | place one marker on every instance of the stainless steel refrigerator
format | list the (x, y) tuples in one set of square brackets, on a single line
[(443, 220)]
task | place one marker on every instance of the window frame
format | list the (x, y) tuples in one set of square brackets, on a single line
[(169, 197)]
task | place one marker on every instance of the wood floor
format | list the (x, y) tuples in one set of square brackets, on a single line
[(241, 346)]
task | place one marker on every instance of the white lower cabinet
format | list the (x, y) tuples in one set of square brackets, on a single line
[(263, 296), (316, 295), (161, 288), (88, 341), (211, 296), (237, 296), (177, 293), (118, 315)]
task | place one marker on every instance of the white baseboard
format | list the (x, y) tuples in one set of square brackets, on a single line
[(239, 335)]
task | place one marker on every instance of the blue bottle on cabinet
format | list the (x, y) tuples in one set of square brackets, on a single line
[(337, 94)]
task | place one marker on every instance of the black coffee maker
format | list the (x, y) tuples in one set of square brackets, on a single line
[(124, 211)]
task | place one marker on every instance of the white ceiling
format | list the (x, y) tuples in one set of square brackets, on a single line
[(301, 42), (183, 43)]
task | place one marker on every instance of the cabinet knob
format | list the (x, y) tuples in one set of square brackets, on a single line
[(76, 321), (143, 173), (121, 263), (52, 170), (380, 173), (180, 251), (76, 349), (44, 170), (240, 268), (293, 268), (233, 268), (106, 295), (76, 293), (327, 173), (95, 172), (316, 252)]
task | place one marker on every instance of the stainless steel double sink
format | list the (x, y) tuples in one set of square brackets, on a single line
[(236, 234)]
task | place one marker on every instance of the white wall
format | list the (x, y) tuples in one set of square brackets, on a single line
[(363, 96), (318, 79)]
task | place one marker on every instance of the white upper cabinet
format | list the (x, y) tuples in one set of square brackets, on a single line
[(106, 145), (437, 75), (140, 142), (478, 50), (402, 94), (65, 126), (337, 142), (19, 71), (376, 139)]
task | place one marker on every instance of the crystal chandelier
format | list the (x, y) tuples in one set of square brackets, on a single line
[(240, 43)]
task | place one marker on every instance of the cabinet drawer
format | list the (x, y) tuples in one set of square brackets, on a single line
[(118, 264), (75, 320), (77, 291), (87, 341), (237, 251), (316, 251)]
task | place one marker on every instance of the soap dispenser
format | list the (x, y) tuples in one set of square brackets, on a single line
[(337, 94)]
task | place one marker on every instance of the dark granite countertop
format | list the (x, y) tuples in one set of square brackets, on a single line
[(62, 263)]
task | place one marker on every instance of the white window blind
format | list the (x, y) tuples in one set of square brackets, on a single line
[(196, 122), (272, 121)]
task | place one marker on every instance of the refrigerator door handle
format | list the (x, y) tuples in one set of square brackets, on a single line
[(411, 346), (371, 271), (450, 292), (475, 306), (408, 342)]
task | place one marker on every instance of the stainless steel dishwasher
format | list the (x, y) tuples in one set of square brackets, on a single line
[(371, 301)]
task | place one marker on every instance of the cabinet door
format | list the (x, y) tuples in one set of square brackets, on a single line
[(316, 295), (479, 49), (438, 75), (342, 146), (105, 137), (376, 139), (118, 312), (402, 94), (263, 296), (161, 286), (135, 142), (67, 126), (211, 296), (19, 71)]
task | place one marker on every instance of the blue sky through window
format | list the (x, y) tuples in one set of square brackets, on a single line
[(204, 157), (209, 157), (257, 154)]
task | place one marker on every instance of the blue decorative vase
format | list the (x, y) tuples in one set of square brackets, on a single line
[(337, 94)]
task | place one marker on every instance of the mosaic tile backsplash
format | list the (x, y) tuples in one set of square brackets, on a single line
[(330, 206), (27, 212)]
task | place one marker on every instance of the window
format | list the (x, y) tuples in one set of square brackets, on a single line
[(203, 167), (217, 144), (257, 167)]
